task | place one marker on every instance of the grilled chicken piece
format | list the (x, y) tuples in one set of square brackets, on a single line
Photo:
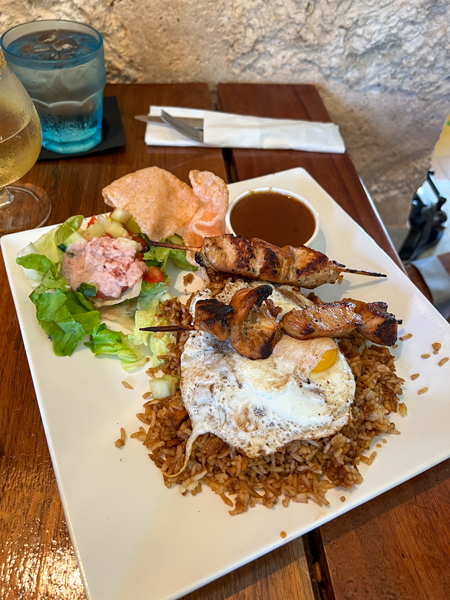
[(257, 259), (378, 325), (254, 329), (213, 317), (333, 319)]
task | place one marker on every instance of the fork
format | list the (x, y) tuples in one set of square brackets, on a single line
[(193, 133)]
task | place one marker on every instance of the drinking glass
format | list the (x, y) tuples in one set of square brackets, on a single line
[(62, 66), (21, 206)]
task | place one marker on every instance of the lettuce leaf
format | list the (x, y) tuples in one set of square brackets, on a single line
[(106, 341), (66, 317), (148, 303), (157, 256)]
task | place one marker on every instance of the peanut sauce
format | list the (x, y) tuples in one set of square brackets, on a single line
[(273, 217)]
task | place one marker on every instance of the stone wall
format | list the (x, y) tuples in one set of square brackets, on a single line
[(382, 66)]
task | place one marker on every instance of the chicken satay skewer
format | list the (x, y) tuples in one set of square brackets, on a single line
[(334, 319), (250, 325), (257, 259)]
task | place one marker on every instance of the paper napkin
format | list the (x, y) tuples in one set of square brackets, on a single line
[(227, 130)]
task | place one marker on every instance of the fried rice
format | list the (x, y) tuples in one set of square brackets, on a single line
[(303, 470)]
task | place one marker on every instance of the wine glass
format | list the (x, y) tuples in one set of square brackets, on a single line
[(21, 206)]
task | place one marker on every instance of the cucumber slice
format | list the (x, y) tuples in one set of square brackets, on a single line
[(88, 290), (176, 239), (115, 229), (122, 216), (104, 220), (132, 226), (73, 237), (161, 387), (93, 231)]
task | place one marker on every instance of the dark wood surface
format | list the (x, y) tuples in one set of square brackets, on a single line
[(395, 547), (398, 545)]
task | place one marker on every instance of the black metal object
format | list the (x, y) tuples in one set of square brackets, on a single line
[(426, 220)]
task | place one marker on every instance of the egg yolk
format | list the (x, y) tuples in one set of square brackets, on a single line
[(328, 359)]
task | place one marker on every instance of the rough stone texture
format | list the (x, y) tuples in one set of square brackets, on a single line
[(381, 65)]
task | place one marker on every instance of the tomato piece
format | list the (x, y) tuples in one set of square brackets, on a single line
[(153, 275), (137, 238)]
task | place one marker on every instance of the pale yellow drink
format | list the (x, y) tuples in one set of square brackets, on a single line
[(21, 206), (20, 138)]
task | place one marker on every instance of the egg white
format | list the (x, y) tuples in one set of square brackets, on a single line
[(258, 406)]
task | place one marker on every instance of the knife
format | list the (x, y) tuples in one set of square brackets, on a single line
[(157, 120)]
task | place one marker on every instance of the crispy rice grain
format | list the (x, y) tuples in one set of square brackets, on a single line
[(120, 443), (443, 361), (187, 279), (407, 336), (301, 471), (436, 347), (423, 390)]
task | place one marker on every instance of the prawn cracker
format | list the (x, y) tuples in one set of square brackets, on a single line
[(213, 196), (159, 202)]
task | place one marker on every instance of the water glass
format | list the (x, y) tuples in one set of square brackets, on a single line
[(61, 64)]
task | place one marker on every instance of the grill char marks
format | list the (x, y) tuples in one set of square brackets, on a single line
[(379, 325), (255, 330), (269, 261), (333, 319), (257, 259), (214, 317)]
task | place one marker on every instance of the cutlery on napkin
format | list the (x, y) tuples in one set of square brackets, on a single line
[(227, 130), (159, 121)]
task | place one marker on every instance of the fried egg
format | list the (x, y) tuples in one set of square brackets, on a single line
[(304, 390)]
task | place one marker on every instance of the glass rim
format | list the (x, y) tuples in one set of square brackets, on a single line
[(7, 53)]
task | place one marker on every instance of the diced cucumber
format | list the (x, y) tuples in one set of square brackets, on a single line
[(115, 229), (93, 231), (88, 290), (176, 239), (104, 220), (132, 226), (122, 216), (73, 237), (161, 387)]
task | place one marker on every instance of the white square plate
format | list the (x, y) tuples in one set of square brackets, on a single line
[(136, 539)]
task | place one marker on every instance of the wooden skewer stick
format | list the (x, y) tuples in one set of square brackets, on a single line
[(173, 246), (342, 268), (357, 272), (157, 328)]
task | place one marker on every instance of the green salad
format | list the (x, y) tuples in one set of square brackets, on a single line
[(71, 317)]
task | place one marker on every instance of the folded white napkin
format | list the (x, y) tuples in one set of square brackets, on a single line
[(227, 130)]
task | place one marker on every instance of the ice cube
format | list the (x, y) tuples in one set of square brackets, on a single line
[(25, 51), (38, 48), (65, 44), (47, 56), (48, 37)]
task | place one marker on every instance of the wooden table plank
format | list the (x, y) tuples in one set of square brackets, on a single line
[(36, 555), (396, 546)]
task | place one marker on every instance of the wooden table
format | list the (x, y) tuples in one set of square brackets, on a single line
[(396, 546)]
